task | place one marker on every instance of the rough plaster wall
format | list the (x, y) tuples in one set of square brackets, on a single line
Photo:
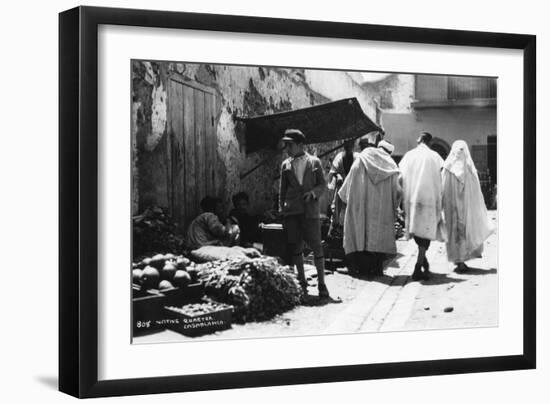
[(337, 85), (249, 92), (149, 133), (357, 77), (135, 172), (393, 93), (158, 117), (242, 92)]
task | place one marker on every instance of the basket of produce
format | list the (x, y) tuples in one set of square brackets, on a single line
[(204, 317), (158, 281), (167, 273)]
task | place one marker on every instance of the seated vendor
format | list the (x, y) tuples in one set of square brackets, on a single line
[(248, 224), (207, 228)]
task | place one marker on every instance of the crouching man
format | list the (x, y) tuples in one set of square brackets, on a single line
[(207, 228), (302, 183)]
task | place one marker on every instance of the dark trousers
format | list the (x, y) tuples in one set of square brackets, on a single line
[(365, 262), (300, 229)]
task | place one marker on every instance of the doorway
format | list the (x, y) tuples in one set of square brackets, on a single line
[(193, 146)]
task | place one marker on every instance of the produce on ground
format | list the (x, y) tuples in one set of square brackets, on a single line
[(154, 231), (181, 278), (150, 278), (136, 276), (164, 284), (164, 271), (258, 288), (168, 270)]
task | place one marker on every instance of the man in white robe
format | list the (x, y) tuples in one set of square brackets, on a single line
[(464, 207), (371, 194), (421, 181)]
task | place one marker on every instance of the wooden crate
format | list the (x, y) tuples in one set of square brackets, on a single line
[(148, 314), (274, 241)]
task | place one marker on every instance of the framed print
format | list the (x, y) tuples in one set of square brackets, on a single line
[(251, 201)]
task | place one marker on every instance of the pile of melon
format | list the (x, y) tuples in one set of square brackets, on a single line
[(163, 272)]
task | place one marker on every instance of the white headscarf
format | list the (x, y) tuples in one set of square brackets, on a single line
[(463, 204), (459, 160)]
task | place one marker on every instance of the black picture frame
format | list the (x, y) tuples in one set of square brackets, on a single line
[(78, 196)]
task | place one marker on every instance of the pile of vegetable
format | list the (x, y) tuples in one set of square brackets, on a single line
[(164, 271), (258, 288), (153, 231)]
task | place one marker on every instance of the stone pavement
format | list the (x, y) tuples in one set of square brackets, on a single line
[(447, 300), (378, 298)]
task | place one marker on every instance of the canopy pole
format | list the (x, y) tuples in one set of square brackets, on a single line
[(261, 163), (328, 152), (268, 159)]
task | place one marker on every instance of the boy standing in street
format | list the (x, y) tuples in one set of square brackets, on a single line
[(302, 183)]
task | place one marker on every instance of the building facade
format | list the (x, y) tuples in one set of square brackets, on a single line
[(187, 138), (450, 108)]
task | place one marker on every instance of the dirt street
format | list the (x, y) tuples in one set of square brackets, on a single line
[(392, 302)]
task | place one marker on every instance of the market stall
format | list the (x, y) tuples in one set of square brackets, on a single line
[(207, 289)]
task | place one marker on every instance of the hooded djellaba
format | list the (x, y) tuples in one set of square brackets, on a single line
[(464, 208), (371, 193)]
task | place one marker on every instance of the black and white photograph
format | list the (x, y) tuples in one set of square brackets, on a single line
[(273, 201)]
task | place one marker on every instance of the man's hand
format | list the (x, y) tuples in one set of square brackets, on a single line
[(234, 233), (309, 196)]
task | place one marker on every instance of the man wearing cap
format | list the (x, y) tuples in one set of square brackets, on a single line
[(386, 146), (422, 193), (370, 139), (302, 183), (371, 193)]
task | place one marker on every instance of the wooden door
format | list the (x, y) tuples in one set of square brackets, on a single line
[(191, 126)]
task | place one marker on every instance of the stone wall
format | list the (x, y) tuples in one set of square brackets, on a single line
[(394, 93), (403, 123), (244, 92)]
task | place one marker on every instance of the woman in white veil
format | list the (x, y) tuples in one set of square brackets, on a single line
[(464, 207)]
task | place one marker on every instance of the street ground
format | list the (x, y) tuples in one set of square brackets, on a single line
[(392, 302)]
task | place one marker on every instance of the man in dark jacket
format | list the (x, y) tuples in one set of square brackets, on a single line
[(302, 184), (248, 224)]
